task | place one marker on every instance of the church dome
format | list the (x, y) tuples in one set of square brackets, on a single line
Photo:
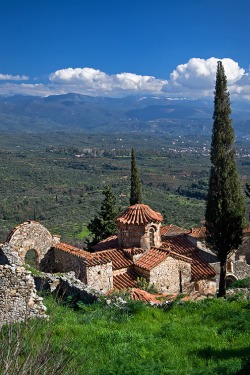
[(139, 214)]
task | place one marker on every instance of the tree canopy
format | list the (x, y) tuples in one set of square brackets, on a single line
[(136, 190), (103, 225), (225, 213)]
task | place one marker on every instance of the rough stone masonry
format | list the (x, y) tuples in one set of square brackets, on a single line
[(18, 298)]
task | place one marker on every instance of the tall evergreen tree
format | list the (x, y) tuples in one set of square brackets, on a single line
[(225, 213), (136, 191), (247, 190), (103, 225)]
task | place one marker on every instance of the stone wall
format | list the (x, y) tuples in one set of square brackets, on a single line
[(206, 286), (139, 235), (100, 277), (241, 269), (31, 235), (66, 262), (244, 250), (18, 298), (171, 276)]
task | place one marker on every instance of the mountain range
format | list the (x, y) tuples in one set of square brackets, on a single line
[(151, 114)]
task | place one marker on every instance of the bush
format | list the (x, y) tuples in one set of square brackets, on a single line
[(244, 283)]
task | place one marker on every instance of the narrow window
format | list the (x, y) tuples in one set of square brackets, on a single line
[(152, 236)]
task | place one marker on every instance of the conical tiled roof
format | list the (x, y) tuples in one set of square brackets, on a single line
[(139, 214)]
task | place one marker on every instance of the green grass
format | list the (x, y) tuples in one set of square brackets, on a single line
[(208, 337)]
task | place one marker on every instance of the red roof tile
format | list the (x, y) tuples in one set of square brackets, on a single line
[(152, 258), (118, 258), (108, 243), (181, 245), (141, 295), (139, 214), (133, 251), (171, 229), (197, 232), (125, 280), (87, 257), (201, 269)]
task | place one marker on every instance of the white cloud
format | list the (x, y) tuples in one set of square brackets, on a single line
[(195, 78), (89, 80), (10, 77)]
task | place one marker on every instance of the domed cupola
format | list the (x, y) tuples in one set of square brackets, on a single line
[(139, 226)]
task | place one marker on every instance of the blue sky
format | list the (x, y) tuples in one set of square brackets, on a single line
[(115, 47)]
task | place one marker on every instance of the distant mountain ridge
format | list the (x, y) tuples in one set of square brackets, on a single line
[(75, 112)]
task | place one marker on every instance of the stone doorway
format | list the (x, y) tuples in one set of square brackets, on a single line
[(31, 258), (229, 280)]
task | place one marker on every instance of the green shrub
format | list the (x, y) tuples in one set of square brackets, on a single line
[(243, 283)]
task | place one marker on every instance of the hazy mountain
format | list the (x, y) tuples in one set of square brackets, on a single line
[(123, 115)]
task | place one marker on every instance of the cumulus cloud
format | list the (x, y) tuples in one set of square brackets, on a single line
[(195, 78), (10, 77), (89, 80)]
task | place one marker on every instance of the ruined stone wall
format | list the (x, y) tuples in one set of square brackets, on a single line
[(18, 298), (206, 286), (238, 269), (66, 262), (31, 235), (241, 269), (100, 277), (166, 276), (244, 250)]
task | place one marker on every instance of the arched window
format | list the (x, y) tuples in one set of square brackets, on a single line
[(152, 236), (31, 258)]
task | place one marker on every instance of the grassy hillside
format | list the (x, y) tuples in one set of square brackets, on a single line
[(198, 338)]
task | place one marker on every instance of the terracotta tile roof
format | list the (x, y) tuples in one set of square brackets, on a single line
[(200, 269), (73, 250), (141, 295), (171, 229), (179, 256), (197, 232), (87, 257), (246, 230), (139, 214), (118, 258), (125, 280), (133, 251), (152, 258), (110, 242)]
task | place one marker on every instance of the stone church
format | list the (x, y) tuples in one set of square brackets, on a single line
[(173, 259)]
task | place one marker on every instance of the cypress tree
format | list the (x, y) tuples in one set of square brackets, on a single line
[(136, 191), (247, 190), (103, 225), (225, 213)]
